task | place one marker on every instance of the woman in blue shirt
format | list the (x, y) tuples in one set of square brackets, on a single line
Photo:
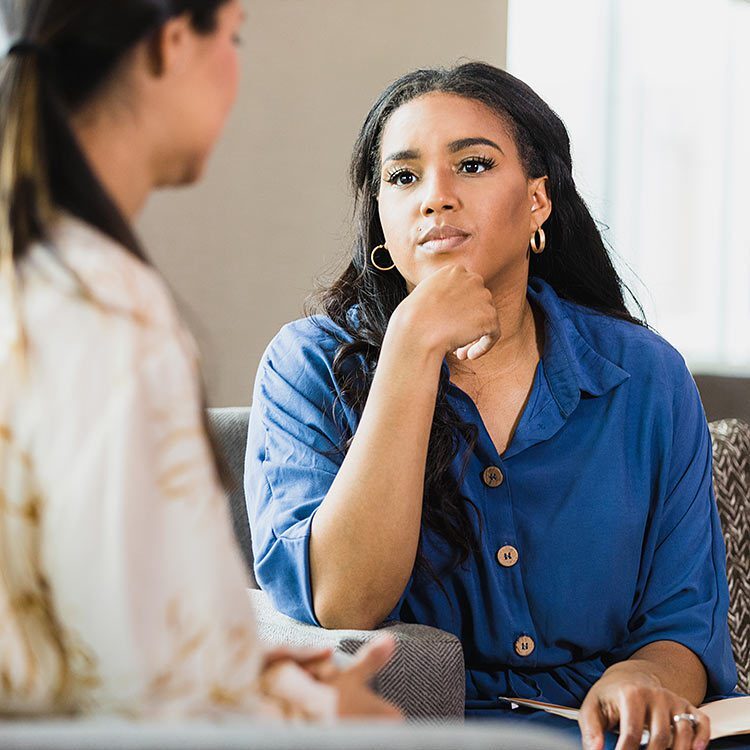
[(478, 436)]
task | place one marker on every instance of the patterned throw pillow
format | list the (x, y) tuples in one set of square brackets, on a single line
[(731, 446)]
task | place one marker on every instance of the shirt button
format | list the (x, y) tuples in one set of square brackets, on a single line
[(525, 645), (492, 476), (507, 556)]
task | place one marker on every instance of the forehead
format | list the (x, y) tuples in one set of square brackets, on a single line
[(437, 119)]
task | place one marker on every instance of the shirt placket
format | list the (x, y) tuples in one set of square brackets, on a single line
[(503, 547)]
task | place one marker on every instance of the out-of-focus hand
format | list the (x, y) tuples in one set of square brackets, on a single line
[(308, 685), (304, 656)]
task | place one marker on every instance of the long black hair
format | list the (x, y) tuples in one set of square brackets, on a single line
[(71, 50), (575, 263)]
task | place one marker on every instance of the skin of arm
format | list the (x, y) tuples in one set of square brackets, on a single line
[(379, 490), (365, 533), (675, 667)]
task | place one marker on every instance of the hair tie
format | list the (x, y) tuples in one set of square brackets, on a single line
[(25, 48)]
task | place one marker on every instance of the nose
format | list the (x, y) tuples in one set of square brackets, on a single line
[(439, 196)]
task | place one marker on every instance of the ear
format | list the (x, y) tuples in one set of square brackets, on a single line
[(169, 50), (540, 204)]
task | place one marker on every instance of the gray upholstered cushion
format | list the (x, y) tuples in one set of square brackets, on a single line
[(228, 429), (725, 396), (731, 444), (425, 679)]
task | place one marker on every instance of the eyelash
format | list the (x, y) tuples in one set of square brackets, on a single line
[(486, 161)]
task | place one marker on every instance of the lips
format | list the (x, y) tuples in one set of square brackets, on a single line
[(443, 238)]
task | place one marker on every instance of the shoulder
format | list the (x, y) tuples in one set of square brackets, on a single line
[(111, 276), (98, 318), (298, 365), (638, 350), (310, 342), (84, 291)]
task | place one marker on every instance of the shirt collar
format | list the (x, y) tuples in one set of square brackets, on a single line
[(571, 365)]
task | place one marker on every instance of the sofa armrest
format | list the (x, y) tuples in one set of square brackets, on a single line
[(425, 679)]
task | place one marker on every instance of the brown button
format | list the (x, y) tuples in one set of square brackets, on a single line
[(492, 476), (507, 556), (525, 645)]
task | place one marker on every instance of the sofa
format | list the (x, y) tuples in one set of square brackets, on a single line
[(724, 396), (426, 677), (119, 734)]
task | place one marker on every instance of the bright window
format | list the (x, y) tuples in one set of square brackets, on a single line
[(656, 97)]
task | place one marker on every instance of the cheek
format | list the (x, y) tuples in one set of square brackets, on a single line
[(396, 219), (219, 92), (226, 77), (233, 77), (506, 214)]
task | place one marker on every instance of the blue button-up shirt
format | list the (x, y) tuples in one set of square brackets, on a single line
[(606, 496)]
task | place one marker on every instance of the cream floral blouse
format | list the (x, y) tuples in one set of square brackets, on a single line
[(121, 589)]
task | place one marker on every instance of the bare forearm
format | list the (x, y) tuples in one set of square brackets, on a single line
[(366, 531), (674, 666)]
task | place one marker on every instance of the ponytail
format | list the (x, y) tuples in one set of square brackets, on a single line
[(24, 182)]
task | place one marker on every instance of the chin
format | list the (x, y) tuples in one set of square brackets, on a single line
[(186, 173), (449, 259), (193, 171)]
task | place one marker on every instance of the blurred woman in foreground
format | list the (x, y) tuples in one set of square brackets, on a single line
[(120, 586)]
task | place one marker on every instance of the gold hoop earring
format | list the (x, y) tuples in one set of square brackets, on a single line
[(374, 262), (538, 249)]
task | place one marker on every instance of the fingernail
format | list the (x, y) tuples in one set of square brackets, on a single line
[(700, 745)]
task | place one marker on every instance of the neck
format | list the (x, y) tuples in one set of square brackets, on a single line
[(520, 334), (118, 156)]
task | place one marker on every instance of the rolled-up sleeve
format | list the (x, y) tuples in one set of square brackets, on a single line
[(294, 450), (683, 595)]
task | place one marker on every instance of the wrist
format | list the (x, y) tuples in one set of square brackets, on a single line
[(407, 333), (641, 669)]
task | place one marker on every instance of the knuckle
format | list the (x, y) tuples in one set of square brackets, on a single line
[(630, 693), (629, 730), (661, 737)]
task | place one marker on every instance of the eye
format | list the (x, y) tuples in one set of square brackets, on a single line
[(401, 177), (476, 165), (236, 40)]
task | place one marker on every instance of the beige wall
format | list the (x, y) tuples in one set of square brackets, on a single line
[(243, 249)]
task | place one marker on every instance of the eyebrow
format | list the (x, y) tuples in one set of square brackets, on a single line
[(454, 147), (402, 155), (460, 145)]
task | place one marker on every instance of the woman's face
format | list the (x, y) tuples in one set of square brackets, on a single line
[(453, 190), (204, 79)]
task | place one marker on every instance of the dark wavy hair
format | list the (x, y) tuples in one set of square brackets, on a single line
[(576, 264)]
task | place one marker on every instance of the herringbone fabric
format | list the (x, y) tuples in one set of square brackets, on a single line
[(731, 449), (435, 657), (425, 679)]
